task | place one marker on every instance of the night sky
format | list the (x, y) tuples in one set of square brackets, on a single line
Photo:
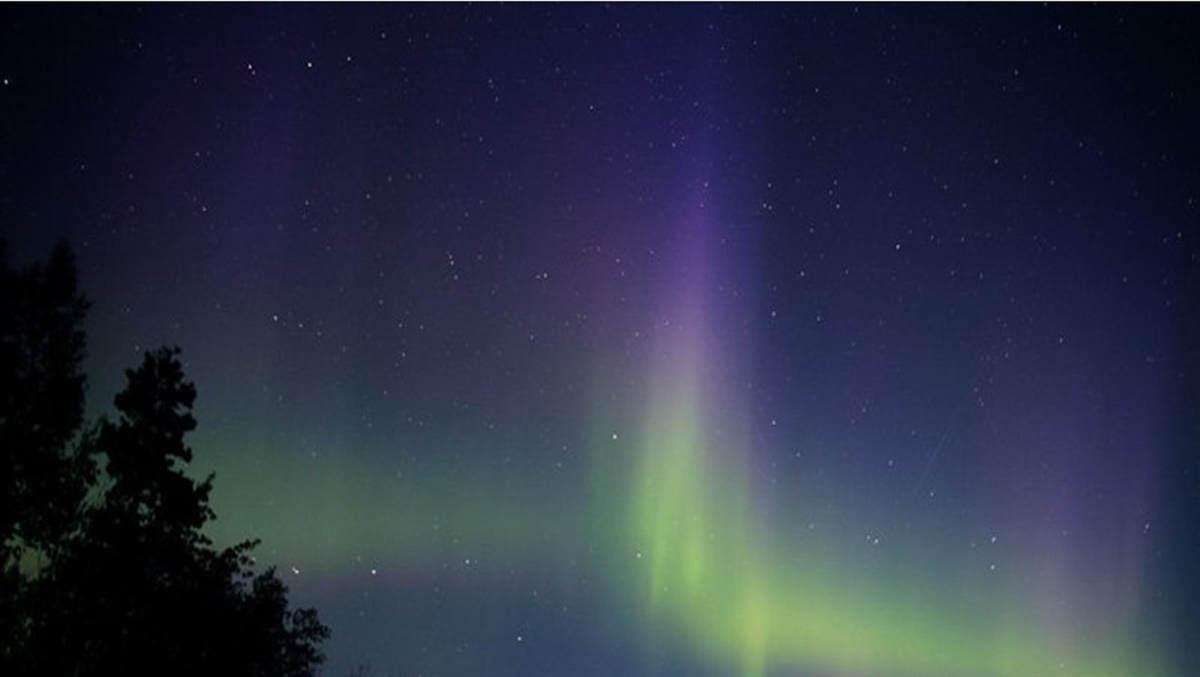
[(657, 340)]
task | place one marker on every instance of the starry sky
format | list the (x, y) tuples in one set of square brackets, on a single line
[(657, 339)]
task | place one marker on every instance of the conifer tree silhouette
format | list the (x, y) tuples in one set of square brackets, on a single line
[(126, 581)]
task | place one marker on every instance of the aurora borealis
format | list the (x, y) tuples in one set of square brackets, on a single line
[(656, 339)]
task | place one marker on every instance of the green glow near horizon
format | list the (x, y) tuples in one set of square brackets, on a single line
[(673, 525), (705, 568), (704, 563), (673, 528)]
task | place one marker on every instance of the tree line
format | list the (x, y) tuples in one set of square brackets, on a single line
[(105, 568)]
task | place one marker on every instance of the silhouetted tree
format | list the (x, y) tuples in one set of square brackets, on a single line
[(129, 583), (41, 400), (44, 474)]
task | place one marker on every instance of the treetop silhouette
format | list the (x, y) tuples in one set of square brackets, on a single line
[(109, 572)]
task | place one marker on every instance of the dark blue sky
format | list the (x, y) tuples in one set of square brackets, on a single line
[(654, 339)]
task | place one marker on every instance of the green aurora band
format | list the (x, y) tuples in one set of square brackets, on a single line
[(702, 564), (673, 531)]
